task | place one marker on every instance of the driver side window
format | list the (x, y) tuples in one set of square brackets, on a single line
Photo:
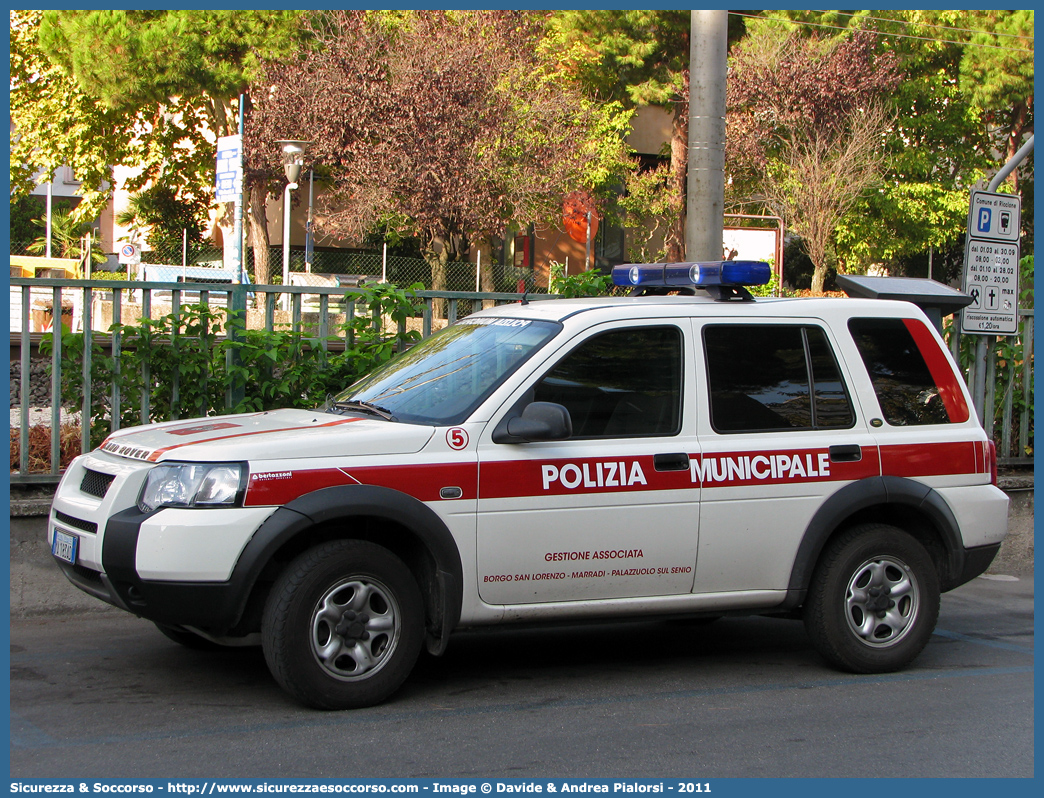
[(620, 384)]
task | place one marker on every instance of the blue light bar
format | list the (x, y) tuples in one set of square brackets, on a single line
[(687, 275)]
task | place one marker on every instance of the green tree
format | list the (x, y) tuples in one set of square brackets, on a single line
[(636, 58), (966, 96), (807, 117), (161, 216), (649, 210), (134, 59), (146, 90), (943, 141), (57, 123), (67, 237), (23, 211), (997, 73)]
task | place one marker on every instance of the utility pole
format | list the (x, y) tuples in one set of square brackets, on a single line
[(237, 214), (705, 193)]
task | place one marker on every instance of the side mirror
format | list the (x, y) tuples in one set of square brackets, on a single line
[(540, 421)]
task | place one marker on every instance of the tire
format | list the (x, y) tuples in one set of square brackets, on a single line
[(343, 625), (874, 600), (188, 639)]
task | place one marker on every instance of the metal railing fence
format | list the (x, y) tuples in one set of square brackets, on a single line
[(173, 263), (95, 309), (326, 313), (1007, 411)]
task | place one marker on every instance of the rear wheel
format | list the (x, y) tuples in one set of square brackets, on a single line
[(343, 625), (874, 600)]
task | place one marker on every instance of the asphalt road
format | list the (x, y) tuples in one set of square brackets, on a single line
[(105, 695)]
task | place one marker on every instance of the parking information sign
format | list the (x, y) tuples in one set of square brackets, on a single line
[(229, 172), (991, 264)]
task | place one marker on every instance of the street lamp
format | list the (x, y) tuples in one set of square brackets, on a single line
[(293, 160)]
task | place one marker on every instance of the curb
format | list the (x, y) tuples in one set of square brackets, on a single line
[(1009, 484), (27, 508)]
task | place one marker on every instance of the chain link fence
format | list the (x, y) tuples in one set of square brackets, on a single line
[(331, 271), (196, 263)]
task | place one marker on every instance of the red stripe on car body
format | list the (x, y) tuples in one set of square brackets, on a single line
[(158, 452), (931, 459), (423, 482), (506, 479), (942, 373)]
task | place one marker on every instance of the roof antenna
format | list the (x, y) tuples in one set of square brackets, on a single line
[(525, 294)]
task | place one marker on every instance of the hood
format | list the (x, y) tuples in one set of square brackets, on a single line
[(269, 435)]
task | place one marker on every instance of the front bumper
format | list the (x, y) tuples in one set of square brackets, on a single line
[(124, 582), (174, 565), (218, 607), (206, 605)]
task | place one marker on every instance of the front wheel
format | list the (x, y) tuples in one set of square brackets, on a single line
[(874, 600), (343, 625)]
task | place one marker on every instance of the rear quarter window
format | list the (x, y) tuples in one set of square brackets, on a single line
[(913, 380)]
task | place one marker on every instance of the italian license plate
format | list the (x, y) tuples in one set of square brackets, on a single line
[(64, 546)]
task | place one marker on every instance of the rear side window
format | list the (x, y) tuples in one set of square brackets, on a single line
[(769, 377), (914, 382)]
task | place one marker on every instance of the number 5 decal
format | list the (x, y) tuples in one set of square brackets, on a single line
[(457, 438)]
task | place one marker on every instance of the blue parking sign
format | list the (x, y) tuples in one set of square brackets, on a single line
[(985, 219)]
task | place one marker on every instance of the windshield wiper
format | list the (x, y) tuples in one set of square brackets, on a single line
[(365, 407)]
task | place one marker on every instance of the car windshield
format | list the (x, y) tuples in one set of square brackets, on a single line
[(441, 380)]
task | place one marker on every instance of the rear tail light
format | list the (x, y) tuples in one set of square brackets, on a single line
[(991, 454)]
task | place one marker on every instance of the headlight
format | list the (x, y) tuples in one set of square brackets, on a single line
[(191, 485)]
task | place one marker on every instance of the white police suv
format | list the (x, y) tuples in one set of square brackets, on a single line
[(654, 455)]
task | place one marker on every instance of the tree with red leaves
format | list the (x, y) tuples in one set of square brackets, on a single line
[(445, 124)]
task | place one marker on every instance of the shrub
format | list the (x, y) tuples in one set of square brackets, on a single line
[(588, 283), (40, 447)]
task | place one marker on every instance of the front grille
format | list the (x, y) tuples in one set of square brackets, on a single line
[(78, 523), (95, 483), (88, 574), (87, 579)]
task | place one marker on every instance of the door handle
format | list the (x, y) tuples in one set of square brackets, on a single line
[(678, 461), (848, 453)]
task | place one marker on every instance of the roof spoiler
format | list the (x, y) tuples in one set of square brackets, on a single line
[(934, 298)]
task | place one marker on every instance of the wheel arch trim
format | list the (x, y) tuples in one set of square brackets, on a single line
[(346, 501), (866, 494)]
